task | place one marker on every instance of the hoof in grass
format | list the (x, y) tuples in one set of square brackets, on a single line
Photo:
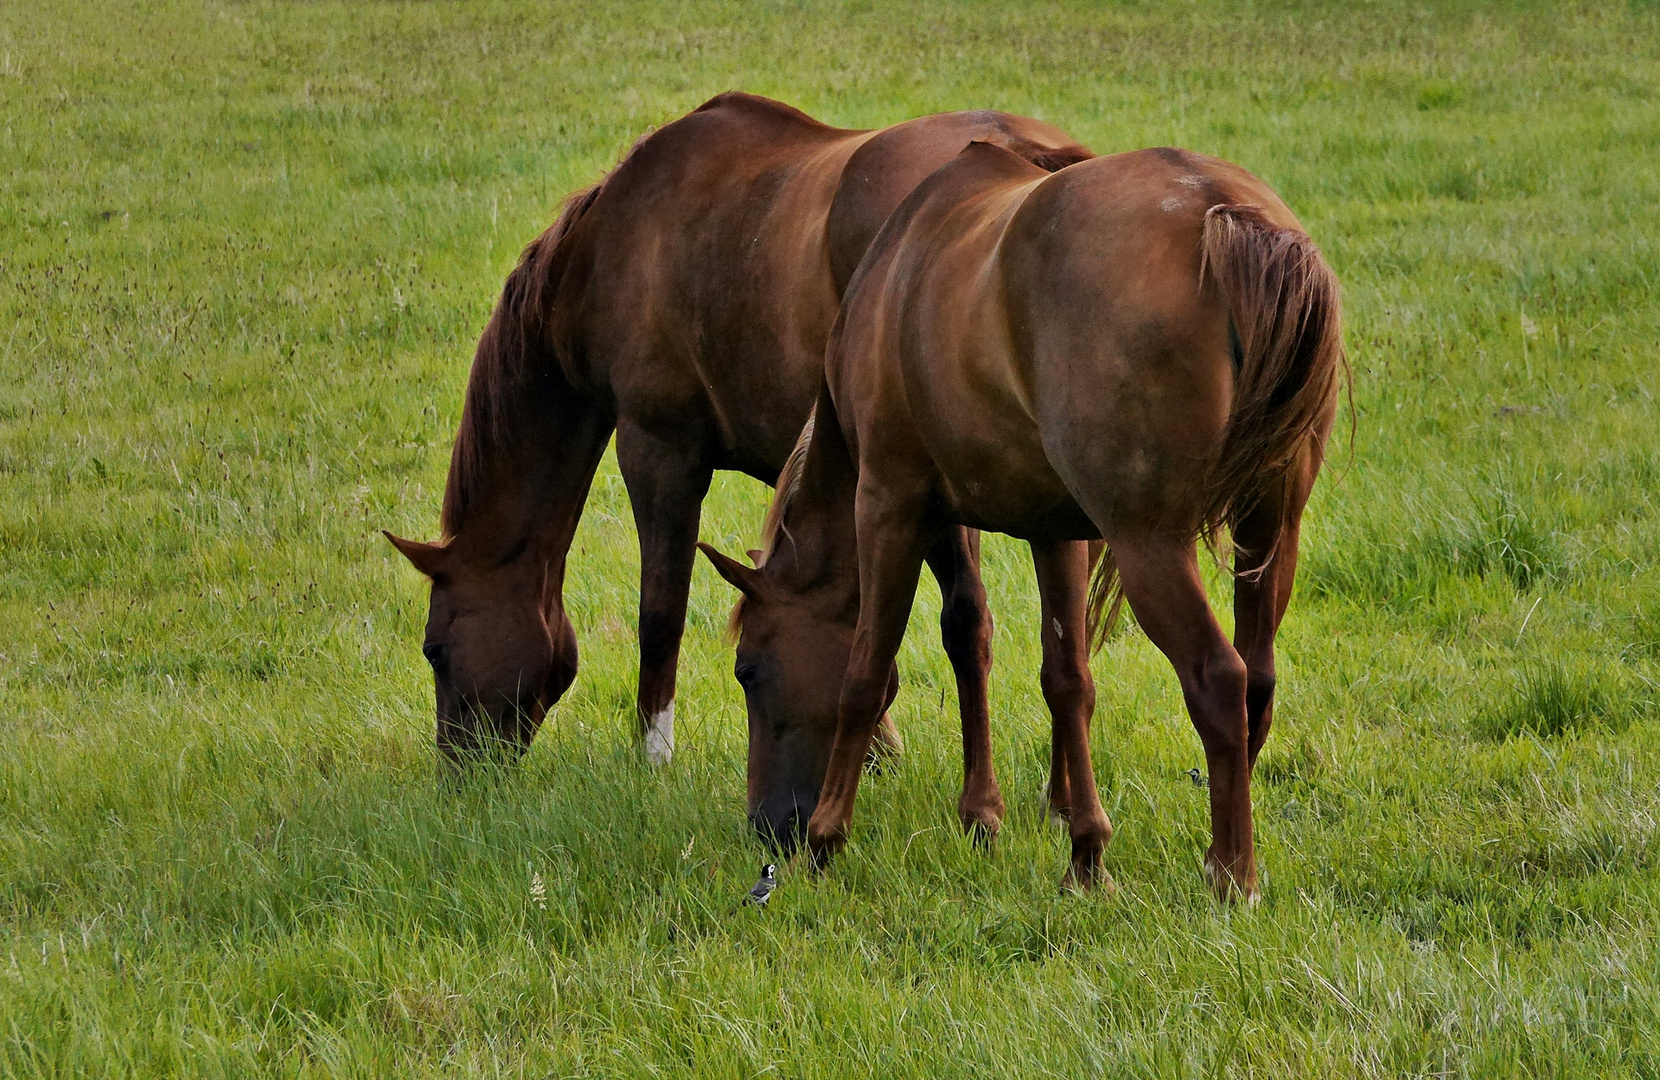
[(1228, 889), (982, 829), (1097, 881)]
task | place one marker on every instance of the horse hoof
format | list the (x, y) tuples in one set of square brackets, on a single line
[(1080, 880), (885, 746), (1229, 888), (981, 828), (659, 737)]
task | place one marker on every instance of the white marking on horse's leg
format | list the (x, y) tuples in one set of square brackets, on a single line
[(1050, 814), (660, 736), (1059, 636)]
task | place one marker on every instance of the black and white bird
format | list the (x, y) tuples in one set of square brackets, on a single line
[(762, 892), (1199, 779)]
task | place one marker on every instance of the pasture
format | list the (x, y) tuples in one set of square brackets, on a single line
[(245, 252)]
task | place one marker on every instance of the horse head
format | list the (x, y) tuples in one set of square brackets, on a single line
[(792, 653), (501, 650)]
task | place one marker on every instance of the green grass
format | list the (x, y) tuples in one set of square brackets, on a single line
[(245, 249)]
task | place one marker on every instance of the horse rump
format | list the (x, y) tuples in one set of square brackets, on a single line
[(1285, 320)]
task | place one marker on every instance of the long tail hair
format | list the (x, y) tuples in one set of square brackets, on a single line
[(1286, 327)]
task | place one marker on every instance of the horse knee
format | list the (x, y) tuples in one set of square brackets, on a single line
[(1066, 686), (1216, 692), (864, 697)]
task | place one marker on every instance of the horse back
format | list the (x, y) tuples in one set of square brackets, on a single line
[(1027, 334), (701, 284), (695, 300), (890, 164)]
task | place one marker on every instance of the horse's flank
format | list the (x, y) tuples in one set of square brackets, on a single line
[(1049, 159)]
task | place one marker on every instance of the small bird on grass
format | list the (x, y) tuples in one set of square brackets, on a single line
[(762, 892), (1199, 779)]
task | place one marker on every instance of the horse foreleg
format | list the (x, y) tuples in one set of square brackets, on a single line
[(1069, 690), (666, 485), (892, 546), (886, 743), (1162, 584), (965, 627)]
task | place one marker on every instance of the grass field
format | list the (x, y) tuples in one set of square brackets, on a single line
[(245, 249)]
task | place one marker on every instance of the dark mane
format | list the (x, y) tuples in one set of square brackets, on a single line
[(1048, 158), (789, 485), (505, 354)]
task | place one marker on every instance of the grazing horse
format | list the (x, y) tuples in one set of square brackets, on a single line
[(684, 303), (1144, 348)]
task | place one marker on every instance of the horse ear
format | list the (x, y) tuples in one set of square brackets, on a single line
[(755, 556), (737, 575), (427, 558)]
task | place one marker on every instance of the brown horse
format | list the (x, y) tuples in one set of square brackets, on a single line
[(1143, 347), (684, 303)]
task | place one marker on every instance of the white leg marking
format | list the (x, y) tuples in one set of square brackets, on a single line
[(1059, 636), (660, 736)]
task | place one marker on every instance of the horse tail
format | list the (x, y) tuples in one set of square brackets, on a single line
[(1106, 597), (1285, 329), (1285, 320)]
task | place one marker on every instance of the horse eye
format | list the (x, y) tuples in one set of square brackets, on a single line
[(744, 673), (435, 653)]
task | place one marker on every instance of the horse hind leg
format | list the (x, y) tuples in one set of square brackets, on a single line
[(1057, 792), (966, 629), (1162, 584), (1069, 690), (666, 485), (1265, 566)]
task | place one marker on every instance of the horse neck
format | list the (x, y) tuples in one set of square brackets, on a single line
[(523, 461), (815, 553)]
